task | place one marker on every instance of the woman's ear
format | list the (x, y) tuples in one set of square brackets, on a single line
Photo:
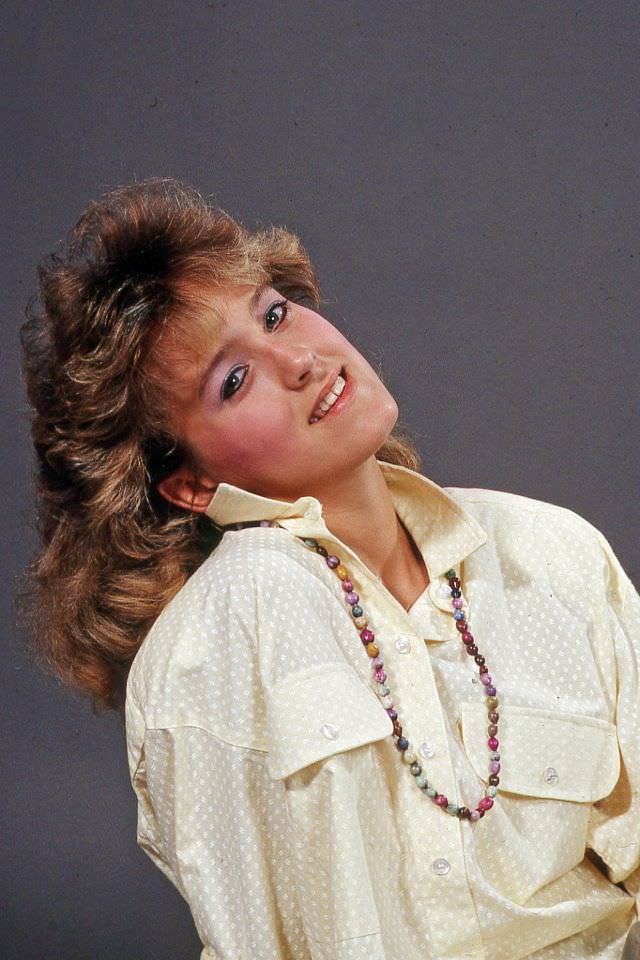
[(183, 488)]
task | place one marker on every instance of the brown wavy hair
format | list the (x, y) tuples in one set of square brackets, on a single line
[(113, 551)]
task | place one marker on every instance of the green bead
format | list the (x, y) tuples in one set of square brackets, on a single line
[(422, 781), (492, 791), (431, 791), (449, 574), (452, 808), (310, 542), (383, 690)]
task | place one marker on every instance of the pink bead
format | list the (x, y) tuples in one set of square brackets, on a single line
[(366, 636), (441, 801), (352, 597), (474, 815), (457, 603), (486, 679), (493, 743), (485, 804), (494, 766), (377, 664), (380, 676), (490, 691), (347, 585)]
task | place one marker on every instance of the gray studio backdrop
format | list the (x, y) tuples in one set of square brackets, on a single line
[(465, 175)]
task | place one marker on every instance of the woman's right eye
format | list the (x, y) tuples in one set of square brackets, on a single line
[(232, 382)]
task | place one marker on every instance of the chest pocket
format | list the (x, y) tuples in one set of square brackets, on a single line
[(318, 712), (559, 756)]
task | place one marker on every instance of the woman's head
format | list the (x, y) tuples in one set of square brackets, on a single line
[(251, 404), (152, 282)]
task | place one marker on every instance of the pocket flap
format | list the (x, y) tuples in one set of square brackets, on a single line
[(318, 712), (562, 756)]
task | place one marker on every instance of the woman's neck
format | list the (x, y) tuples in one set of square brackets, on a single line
[(358, 510)]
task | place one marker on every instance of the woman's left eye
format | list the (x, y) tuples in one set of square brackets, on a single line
[(276, 314)]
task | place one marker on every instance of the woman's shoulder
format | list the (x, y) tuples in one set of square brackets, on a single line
[(214, 641), (546, 538), (502, 507)]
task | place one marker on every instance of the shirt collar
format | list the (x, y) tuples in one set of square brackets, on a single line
[(443, 531)]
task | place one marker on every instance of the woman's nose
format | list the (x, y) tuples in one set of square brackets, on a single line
[(298, 364)]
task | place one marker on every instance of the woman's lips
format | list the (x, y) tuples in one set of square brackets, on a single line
[(343, 399)]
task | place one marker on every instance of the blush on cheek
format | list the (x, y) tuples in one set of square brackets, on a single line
[(258, 447)]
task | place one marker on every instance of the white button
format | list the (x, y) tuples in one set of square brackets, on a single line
[(550, 776), (329, 731), (403, 644), (427, 750), (445, 591), (441, 866)]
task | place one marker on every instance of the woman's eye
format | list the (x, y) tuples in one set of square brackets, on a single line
[(275, 314), (232, 382)]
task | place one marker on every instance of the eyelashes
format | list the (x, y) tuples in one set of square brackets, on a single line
[(236, 376)]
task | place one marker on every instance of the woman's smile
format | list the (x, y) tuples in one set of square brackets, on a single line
[(339, 397)]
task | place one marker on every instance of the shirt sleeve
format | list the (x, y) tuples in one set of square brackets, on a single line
[(615, 823), (220, 833)]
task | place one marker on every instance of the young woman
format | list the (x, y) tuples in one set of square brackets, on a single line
[(367, 717)]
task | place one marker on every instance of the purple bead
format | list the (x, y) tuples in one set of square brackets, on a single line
[(332, 561), (486, 679), (378, 663), (380, 676), (457, 603), (347, 585), (352, 597), (392, 713), (490, 691), (494, 766)]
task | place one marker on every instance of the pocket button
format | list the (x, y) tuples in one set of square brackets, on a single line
[(329, 731), (550, 776), (441, 867)]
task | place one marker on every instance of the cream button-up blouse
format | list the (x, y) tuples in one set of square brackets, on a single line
[(269, 787)]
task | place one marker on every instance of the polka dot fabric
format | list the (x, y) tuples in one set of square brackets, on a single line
[(269, 787)]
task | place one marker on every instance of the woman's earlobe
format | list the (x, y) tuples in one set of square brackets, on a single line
[(187, 491)]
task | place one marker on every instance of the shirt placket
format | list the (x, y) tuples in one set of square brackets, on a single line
[(435, 838)]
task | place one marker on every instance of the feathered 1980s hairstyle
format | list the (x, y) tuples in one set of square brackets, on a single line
[(113, 551)]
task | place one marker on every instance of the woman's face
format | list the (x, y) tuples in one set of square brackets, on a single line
[(247, 408)]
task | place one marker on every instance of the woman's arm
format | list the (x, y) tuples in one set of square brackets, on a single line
[(615, 824)]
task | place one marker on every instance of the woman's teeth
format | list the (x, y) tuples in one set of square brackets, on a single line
[(328, 400)]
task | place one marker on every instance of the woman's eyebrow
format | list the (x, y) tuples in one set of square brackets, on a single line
[(257, 293), (219, 354)]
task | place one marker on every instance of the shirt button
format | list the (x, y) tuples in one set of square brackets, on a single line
[(440, 867), (550, 776), (445, 591), (329, 731), (427, 750), (403, 644)]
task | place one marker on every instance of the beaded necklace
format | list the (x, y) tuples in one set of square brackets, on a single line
[(383, 690)]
